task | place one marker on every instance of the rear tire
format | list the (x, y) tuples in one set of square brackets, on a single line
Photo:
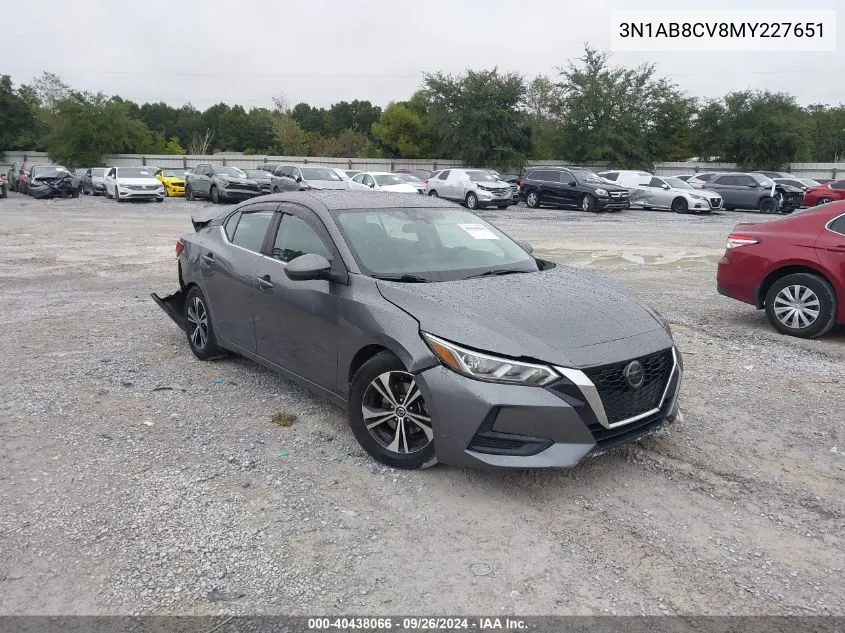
[(198, 326), (405, 442), (816, 300)]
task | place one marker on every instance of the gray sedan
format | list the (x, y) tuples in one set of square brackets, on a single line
[(443, 338)]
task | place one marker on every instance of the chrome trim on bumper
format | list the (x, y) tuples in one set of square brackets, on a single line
[(592, 397)]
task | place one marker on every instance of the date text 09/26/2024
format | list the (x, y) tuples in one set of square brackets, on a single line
[(417, 624)]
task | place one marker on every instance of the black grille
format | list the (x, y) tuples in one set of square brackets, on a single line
[(608, 438), (715, 202), (620, 400)]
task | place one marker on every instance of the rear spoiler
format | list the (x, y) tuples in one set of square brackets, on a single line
[(203, 218)]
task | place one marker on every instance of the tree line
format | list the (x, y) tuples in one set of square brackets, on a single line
[(590, 111)]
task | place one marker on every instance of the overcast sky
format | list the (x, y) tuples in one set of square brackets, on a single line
[(323, 51)]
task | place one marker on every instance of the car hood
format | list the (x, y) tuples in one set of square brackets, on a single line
[(788, 188), (560, 316), (705, 193), (327, 184), (171, 179), (138, 181), (400, 188)]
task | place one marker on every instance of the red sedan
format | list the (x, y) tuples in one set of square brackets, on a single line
[(828, 192), (793, 267)]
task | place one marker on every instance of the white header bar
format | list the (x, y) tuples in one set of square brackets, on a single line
[(723, 30)]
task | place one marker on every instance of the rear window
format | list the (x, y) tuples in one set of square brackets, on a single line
[(251, 229)]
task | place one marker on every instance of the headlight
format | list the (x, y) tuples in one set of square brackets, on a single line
[(601, 192), (488, 368), (225, 183)]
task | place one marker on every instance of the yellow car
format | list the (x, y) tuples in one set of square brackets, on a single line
[(173, 181)]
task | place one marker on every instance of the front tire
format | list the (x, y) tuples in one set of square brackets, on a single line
[(802, 305), (768, 205), (471, 201), (198, 327), (433, 194), (532, 199), (189, 194), (680, 205), (215, 196), (117, 195), (587, 203), (823, 201), (388, 415)]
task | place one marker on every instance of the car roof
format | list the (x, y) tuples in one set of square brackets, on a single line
[(379, 173)]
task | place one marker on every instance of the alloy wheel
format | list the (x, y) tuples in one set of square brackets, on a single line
[(395, 413), (531, 200), (824, 200), (797, 307), (198, 323)]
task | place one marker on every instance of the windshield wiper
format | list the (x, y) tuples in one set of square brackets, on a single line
[(496, 271), (411, 279)]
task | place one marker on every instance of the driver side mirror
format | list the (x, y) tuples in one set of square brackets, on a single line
[(526, 246), (665, 186), (572, 183), (298, 178), (308, 267), (372, 185)]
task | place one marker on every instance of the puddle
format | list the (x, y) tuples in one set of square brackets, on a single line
[(600, 258)]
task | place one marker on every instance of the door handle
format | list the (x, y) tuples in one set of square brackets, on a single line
[(264, 282), (209, 258)]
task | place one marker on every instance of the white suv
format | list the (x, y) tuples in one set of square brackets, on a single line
[(475, 188)]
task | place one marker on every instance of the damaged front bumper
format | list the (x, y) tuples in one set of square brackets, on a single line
[(174, 306)]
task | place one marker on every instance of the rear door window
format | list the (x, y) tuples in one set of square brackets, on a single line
[(838, 225)]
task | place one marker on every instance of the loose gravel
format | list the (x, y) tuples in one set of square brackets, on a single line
[(136, 479)]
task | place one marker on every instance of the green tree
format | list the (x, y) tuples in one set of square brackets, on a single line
[(290, 139), (310, 119), (17, 120), (826, 133), (766, 130), (173, 146), (543, 107), (479, 118), (88, 126), (614, 114), (400, 132)]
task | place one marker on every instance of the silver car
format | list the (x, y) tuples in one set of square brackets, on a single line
[(673, 194), (474, 188)]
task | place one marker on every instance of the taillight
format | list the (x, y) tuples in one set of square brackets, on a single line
[(425, 182), (735, 240), (180, 246), (519, 184)]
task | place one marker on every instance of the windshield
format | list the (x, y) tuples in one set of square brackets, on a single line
[(134, 172), (319, 173), (383, 180), (173, 173), (232, 172), (677, 183), (409, 178), (585, 175), (99, 171), (256, 174), (763, 180), (48, 171), (435, 244), (476, 175)]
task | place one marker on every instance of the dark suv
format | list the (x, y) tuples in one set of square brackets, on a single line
[(572, 188), (756, 191), (219, 183)]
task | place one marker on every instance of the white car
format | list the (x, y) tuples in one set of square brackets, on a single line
[(475, 188), (345, 177), (383, 181), (133, 183)]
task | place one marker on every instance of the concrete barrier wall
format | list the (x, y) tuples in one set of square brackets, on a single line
[(242, 161)]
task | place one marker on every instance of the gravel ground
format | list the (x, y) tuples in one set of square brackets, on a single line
[(136, 479)]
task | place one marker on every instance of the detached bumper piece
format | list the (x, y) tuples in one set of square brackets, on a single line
[(174, 307)]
